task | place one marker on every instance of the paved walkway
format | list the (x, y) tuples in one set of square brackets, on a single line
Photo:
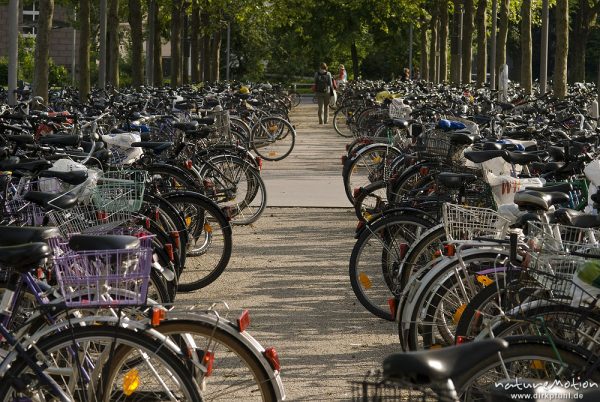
[(291, 270), (310, 176)]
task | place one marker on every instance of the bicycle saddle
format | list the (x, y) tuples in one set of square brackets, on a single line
[(103, 242), (14, 235), (401, 123), (73, 177), (483, 156), (535, 200), (561, 188), (208, 121), (546, 167), (56, 139), (21, 139), (30, 166), (521, 158), (200, 133), (23, 257), (440, 364), (461, 137), (51, 200), (156, 146), (191, 126), (455, 180), (570, 217)]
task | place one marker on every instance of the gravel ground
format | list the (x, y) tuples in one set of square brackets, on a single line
[(291, 270)]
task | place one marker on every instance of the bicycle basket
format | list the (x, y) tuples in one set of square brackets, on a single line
[(556, 238), (375, 387), (119, 190), (467, 223), (87, 219), (104, 278), (435, 145)]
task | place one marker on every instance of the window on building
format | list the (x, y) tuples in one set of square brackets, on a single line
[(30, 16)]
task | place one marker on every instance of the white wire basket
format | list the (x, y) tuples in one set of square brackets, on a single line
[(468, 223), (119, 190), (553, 238)]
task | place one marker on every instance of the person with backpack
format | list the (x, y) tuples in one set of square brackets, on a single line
[(323, 87)]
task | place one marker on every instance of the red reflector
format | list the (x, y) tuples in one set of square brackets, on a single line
[(158, 314), (403, 249), (147, 223), (101, 215), (243, 321), (188, 164), (424, 171), (169, 250), (347, 147), (356, 192), (273, 358), (157, 214), (208, 360), (450, 250), (175, 237), (259, 162), (361, 224), (208, 184), (392, 304), (462, 339), (344, 159)]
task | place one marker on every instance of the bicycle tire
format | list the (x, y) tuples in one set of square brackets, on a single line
[(341, 119), (203, 220), (376, 301), (205, 333), (267, 136), (128, 342)]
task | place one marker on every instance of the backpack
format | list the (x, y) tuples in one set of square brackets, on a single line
[(322, 82)]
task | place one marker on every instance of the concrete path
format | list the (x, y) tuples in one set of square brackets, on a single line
[(311, 175), (291, 270)]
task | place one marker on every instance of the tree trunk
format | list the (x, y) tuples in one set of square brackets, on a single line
[(112, 30), (137, 40), (216, 56), (455, 60), (585, 16), (481, 43), (559, 79), (354, 54), (176, 43), (84, 49), (443, 45), (433, 46), (526, 46), (424, 69), (502, 34), (157, 48), (42, 65), (195, 42), (205, 47), (467, 41)]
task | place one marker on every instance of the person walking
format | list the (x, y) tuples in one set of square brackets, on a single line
[(323, 89)]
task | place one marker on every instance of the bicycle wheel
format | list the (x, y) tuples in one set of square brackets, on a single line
[(429, 247), (530, 358), (79, 361), (237, 371), (210, 239), (341, 121), (273, 138), (368, 166), (376, 257), (295, 98), (237, 187), (370, 200)]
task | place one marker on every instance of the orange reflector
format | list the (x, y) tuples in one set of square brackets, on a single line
[(458, 313), (484, 280), (243, 320), (169, 250), (158, 314), (365, 280), (450, 250), (273, 358), (392, 303)]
